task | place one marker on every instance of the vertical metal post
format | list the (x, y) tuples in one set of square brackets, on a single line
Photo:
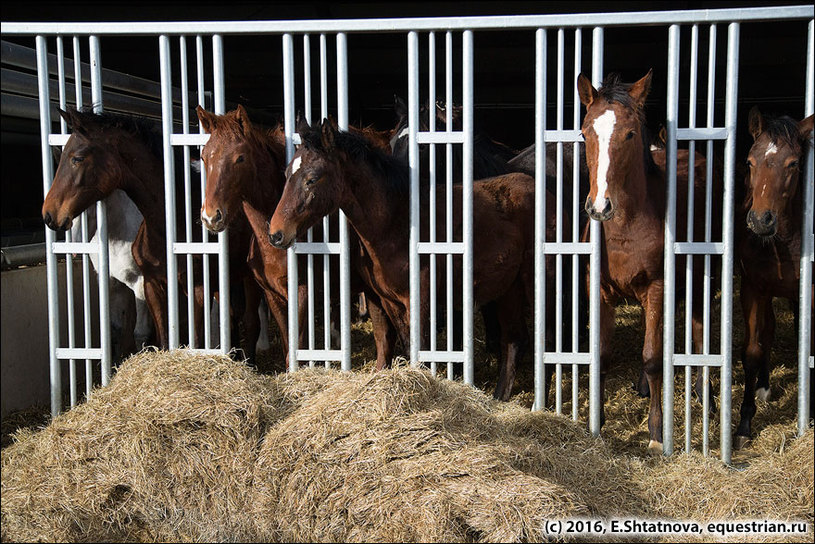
[(448, 190), (291, 256), (575, 210), (595, 398), (807, 252), (467, 204), (101, 225), (310, 233), (561, 39), (345, 257), (670, 237), (50, 235), (219, 106), (727, 239), (413, 162), (169, 189), (185, 129), (199, 61), (540, 218), (431, 121)]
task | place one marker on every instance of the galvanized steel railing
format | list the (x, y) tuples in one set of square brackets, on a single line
[(542, 24)]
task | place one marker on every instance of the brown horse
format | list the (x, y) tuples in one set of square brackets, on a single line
[(627, 193), (245, 177), (769, 246), (338, 170), (106, 152)]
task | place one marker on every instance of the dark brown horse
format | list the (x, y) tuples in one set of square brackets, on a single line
[(106, 152), (768, 233), (338, 170), (627, 194), (245, 177)]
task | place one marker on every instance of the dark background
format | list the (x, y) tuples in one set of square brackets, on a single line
[(772, 68)]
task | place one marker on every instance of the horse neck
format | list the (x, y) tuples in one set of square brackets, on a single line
[(640, 199), (143, 181), (380, 218), (263, 190)]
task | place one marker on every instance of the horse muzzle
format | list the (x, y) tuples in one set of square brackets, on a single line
[(52, 223), (216, 223), (763, 224), (279, 240), (604, 214)]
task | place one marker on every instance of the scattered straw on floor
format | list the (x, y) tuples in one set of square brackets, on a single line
[(183, 447)]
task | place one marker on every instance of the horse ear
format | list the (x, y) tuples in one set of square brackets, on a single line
[(66, 116), (755, 122), (206, 118), (805, 127), (243, 119), (329, 133), (300, 123), (399, 106), (586, 90), (639, 90)]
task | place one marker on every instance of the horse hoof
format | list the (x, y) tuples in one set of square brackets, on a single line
[(763, 394), (654, 448), (740, 442)]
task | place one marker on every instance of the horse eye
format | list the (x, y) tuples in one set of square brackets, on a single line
[(750, 163), (77, 160), (239, 159), (629, 135), (311, 181), (793, 164)]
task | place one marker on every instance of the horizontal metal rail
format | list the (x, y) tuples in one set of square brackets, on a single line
[(572, 20)]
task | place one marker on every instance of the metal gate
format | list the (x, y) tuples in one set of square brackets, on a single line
[(566, 248)]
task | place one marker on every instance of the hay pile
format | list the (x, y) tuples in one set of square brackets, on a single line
[(182, 447)]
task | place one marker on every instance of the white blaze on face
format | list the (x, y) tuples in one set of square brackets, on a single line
[(771, 150), (604, 128), (295, 165)]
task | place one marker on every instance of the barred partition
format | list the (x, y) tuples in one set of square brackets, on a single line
[(709, 131)]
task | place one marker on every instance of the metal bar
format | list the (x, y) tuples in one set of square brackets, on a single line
[(807, 255), (561, 44), (467, 203), (568, 358), (670, 235), (203, 138), (697, 359), (431, 120), (185, 125), (319, 354), (575, 210), (74, 247), (416, 24), (448, 189), (701, 133), (539, 353), (727, 237), (433, 248), (103, 272), (595, 398), (413, 162), (345, 255), (699, 248), (190, 139), (219, 106), (430, 137), (441, 356), (310, 233), (169, 190), (291, 256), (50, 235)]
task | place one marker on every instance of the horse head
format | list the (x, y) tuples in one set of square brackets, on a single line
[(314, 185), (613, 130), (775, 164), (89, 170)]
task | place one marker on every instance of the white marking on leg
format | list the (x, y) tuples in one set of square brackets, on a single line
[(604, 128), (654, 447), (763, 394), (771, 150)]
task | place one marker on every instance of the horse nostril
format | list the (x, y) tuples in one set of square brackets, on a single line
[(218, 217), (276, 239), (768, 219), (47, 219), (65, 224), (608, 208)]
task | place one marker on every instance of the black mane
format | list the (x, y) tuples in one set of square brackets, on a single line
[(394, 172), (784, 129), (145, 129)]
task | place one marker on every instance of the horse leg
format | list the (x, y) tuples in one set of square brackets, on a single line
[(608, 316), (652, 363), (492, 328), (251, 318), (156, 298), (755, 354), (697, 323), (122, 320), (513, 338), (384, 331)]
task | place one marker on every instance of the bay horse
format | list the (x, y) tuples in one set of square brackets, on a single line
[(106, 152), (245, 167), (628, 195), (339, 170), (768, 234)]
